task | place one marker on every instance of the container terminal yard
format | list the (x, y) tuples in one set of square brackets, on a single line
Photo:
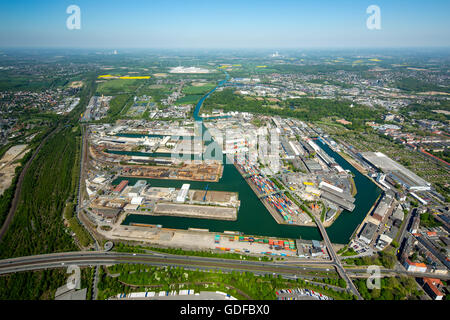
[(280, 207), (228, 241)]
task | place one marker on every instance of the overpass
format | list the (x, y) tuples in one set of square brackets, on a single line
[(334, 258), (89, 258)]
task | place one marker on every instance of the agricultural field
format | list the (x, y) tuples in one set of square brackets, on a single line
[(189, 99), (198, 88), (118, 86)]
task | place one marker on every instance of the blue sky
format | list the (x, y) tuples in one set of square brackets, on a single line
[(224, 24)]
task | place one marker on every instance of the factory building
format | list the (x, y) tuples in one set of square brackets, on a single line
[(337, 196), (137, 189), (307, 147), (387, 237), (312, 165), (338, 200), (324, 186), (287, 148), (382, 208), (396, 171), (332, 210)]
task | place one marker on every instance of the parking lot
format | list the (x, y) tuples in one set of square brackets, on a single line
[(360, 247), (300, 294)]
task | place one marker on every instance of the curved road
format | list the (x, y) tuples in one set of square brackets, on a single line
[(334, 258)]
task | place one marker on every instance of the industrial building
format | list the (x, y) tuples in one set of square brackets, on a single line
[(120, 186), (182, 194), (340, 201), (332, 210), (382, 208), (313, 166), (332, 193), (386, 238), (137, 189), (396, 171), (367, 232)]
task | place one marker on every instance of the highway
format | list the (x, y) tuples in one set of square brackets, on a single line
[(102, 257), (88, 258)]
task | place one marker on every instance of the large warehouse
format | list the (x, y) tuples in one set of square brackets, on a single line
[(396, 171)]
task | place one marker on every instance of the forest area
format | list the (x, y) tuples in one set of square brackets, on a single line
[(308, 109)]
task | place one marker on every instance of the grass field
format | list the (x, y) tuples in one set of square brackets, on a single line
[(189, 99), (138, 278), (116, 86), (196, 90)]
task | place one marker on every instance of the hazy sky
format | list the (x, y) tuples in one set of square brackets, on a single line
[(224, 24)]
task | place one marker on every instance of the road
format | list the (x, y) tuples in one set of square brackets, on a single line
[(427, 244), (340, 269), (89, 258), (404, 227), (83, 157), (15, 201), (334, 258), (101, 257)]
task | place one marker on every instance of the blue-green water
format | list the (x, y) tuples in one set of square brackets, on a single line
[(253, 217)]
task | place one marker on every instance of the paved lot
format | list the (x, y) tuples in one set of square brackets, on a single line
[(300, 294), (190, 240), (163, 295)]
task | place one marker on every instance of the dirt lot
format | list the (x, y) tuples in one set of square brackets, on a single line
[(8, 167), (76, 84), (194, 211), (212, 196)]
